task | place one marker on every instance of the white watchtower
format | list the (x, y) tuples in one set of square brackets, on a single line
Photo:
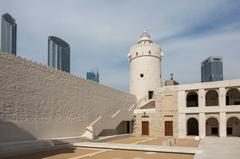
[(145, 67)]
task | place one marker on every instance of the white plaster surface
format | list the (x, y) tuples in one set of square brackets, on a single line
[(144, 58), (37, 101)]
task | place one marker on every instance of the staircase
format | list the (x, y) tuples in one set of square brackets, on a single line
[(108, 122), (111, 122), (146, 103)]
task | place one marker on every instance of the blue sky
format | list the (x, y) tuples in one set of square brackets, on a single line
[(101, 32)]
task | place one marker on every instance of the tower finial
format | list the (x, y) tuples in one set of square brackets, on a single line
[(145, 29), (145, 36)]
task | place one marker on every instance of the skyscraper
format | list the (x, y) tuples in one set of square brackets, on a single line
[(58, 54), (212, 69), (93, 76), (8, 34)]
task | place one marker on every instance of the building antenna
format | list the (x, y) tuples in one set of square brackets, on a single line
[(171, 76)]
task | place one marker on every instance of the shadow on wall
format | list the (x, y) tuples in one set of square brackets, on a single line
[(18, 143), (123, 128), (11, 132)]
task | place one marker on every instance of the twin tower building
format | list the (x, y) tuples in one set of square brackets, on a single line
[(145, 67), (58, 49)]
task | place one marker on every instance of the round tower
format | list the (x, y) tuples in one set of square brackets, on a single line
[(145, 67)]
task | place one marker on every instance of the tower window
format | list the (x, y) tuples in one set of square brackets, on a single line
[(149, 52), (136, 53), (141, 75)]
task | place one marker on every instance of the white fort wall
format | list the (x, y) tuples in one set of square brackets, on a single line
[(37, 101), (151, 80), (145, 59)]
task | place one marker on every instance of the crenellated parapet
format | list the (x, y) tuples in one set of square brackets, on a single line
[(144, 49), (33, 64)]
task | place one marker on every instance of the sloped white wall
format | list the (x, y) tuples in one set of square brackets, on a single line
[(37, 101)]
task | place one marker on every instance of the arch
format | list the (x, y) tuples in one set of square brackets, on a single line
[(233, 126), (233, 97), (212, 98), (192, 127), (212, 127), (192, 99)]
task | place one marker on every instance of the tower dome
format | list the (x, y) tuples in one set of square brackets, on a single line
[(145, 67), (145, 37)]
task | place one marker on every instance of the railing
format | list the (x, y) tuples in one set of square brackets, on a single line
[(108, 122), (144, 100), (131, 109)]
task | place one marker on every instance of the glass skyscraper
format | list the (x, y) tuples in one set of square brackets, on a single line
[(212, 69), (93, 76), (8, 34), (58, 54)]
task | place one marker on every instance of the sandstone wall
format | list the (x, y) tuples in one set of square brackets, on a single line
[(167, 105), (166, 109), (37, 101)]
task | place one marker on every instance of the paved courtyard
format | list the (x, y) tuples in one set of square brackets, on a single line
[(130, 140), (219, 148), (209, 148), (98, 153), (120, 154), (83, 153), (145, 140), (57, 154)]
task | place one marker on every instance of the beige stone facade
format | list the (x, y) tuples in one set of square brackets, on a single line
[(165, 111), (201, 109), (166, 103)]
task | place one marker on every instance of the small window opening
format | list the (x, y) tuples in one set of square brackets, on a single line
[(141, 75), (150, 94)]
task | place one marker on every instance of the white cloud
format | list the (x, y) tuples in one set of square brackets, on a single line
[(184, 57)]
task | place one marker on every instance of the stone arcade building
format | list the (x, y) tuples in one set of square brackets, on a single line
[(201, 109)]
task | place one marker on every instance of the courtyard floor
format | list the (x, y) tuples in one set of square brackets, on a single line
[(210, 147), (219, 148), (130, 140), (82, 153), (145, 140), (97, 153)]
